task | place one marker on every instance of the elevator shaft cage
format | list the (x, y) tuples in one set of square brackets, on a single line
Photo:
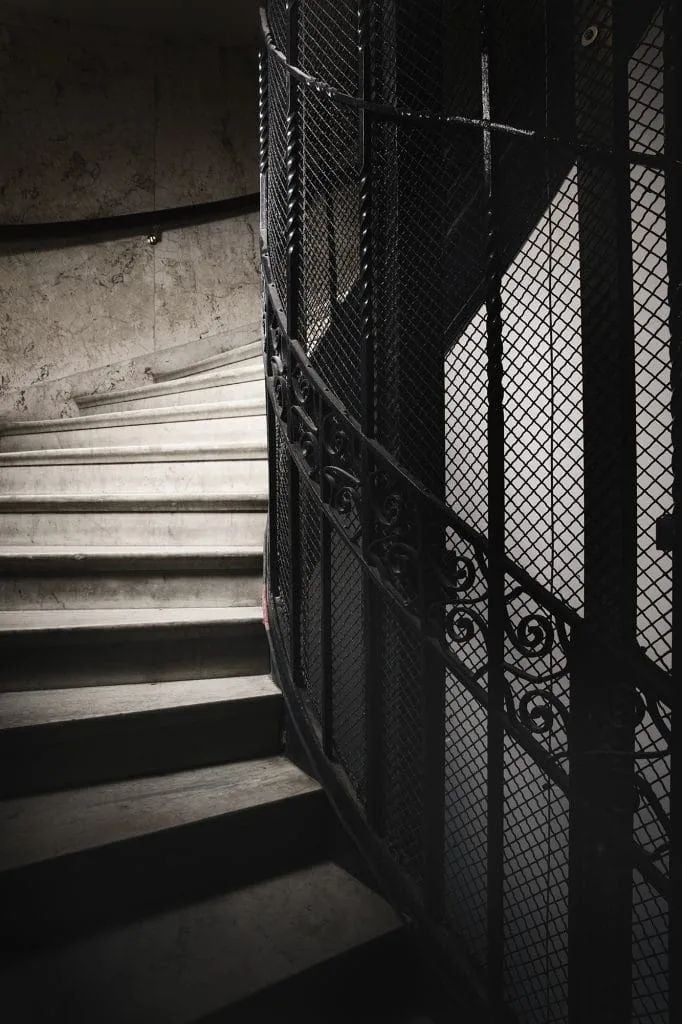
[(471, 234)]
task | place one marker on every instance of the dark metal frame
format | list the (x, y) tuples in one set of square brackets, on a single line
[(386, 513)]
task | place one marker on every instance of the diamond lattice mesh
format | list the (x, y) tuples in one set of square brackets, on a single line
[(456, 221)]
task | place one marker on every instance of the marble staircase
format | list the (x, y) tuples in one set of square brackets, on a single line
[(161, 859)]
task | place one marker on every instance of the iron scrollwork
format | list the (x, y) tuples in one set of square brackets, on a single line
[(393, 547), (536, 670)]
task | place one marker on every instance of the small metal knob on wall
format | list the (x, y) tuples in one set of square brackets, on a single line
[(589, 35)]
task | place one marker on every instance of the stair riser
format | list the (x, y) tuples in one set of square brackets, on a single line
[(79, 753), (134, 528), (148, 478), (229, 358), (244, 429), (176, 359), (237, 392), (114, 882), (131, 590), (132, 655)]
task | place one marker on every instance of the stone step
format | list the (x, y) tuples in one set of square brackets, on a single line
[(196, 962), (239, 391), (55, 739), (250, 350), (161, 469), (179, 356), (125, 453), (385, 980), (34, 577), (133, 519), (233, 383), (210, 422), (77, 857), (65, 648)]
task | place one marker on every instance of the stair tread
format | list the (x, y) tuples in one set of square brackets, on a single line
[(249, 369), (64, 552), (31, 708), (161, 414), (39, 828), (186, 963), (15, 622), (191, 452)]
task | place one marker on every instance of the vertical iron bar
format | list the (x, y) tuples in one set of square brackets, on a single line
[(496, 542), (326, 696), (431, 544), (672, 27), (367, 356), (601, 727), (293, 228), (325, 639), (272, 567), (263, 142), (332, 274), (273, 561), (410, 398)]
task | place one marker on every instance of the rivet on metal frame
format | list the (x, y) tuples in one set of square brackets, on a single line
[(589, 35)]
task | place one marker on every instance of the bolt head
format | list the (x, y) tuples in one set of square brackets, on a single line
[(152, 239), (589, 35)]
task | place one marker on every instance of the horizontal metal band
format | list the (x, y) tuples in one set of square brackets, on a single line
[(425, 118)]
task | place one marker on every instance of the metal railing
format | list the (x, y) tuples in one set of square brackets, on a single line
[(123, 225), (471, 249)]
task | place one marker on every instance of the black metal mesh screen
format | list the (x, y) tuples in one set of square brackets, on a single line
[(652, 344), (348, 680), (536, 890), (470, 205), (465, 833), (277, 175), (403, 742), (311, 598), (281, 526)]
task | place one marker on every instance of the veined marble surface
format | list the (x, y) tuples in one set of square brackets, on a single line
[(97, 121), (91, 317)]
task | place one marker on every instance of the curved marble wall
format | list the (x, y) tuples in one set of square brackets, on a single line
[(99, 121)]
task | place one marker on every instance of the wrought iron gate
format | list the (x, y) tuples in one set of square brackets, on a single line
[(471, 250)]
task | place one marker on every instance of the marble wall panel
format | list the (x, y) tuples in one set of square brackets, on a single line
[(77, 122), (206, 119), (98, 121), (207, 280), (52, 399), (74, 308)]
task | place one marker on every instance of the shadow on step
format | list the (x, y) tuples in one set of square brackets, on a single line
[(383, 981), (72, 895)]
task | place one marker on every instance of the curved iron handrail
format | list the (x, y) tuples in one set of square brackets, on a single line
[(122, 225)]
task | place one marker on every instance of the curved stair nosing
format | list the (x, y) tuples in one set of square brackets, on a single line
[(249, 350), (225, 451), (252, 371), (239, 408)]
